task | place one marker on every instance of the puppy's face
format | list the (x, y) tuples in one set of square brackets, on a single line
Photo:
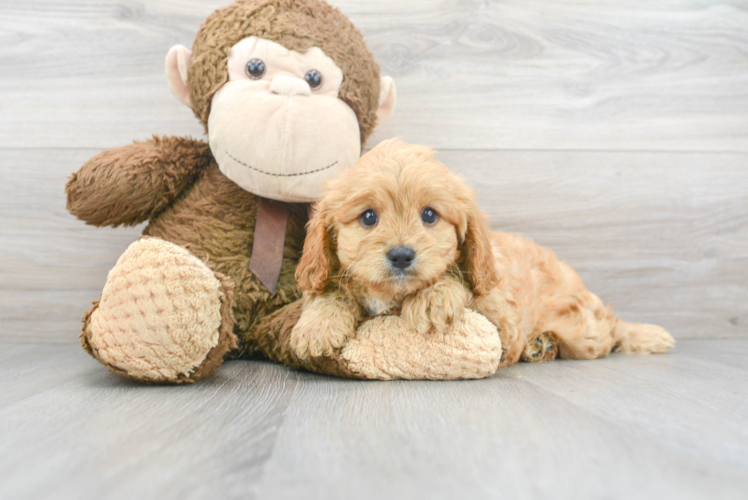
[(395, 223), (394, 230)]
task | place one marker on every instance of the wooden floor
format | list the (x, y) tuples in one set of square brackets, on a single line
[(659, 427), (614, 132)]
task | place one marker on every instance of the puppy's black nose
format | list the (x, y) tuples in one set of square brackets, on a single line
[(401, 257)]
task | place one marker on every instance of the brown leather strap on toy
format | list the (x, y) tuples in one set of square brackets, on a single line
[(270, 236)]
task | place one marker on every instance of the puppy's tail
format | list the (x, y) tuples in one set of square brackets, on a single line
[(642, 338)]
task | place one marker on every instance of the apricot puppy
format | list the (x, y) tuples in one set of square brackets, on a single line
[(398, 232)]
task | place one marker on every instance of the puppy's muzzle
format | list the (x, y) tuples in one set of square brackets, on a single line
[(401, 258)]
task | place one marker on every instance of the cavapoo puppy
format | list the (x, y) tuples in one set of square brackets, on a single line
[(399, 233)]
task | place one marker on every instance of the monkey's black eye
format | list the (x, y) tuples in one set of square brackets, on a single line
[(313, 78), (369, 218), (255, 68), (429, 216)]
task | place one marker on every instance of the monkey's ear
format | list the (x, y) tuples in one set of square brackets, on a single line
[(387, 98), (177, 62)]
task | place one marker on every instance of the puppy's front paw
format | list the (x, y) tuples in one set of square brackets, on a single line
[(436, 307), (314, 336)]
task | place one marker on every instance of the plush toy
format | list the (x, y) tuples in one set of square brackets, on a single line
[(288, 93)]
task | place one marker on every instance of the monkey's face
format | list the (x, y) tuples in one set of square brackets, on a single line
[(277, 128), (286, 90)]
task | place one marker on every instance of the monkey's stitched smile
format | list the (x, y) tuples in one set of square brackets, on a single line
[(280, 175)]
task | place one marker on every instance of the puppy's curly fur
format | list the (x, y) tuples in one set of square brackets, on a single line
[(348, 270)]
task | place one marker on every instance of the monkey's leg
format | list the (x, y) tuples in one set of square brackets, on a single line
[(163, 316), (385, 349), (271, 338)]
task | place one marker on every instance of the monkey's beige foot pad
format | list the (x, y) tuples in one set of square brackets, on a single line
[(160, 315), (384, 349)]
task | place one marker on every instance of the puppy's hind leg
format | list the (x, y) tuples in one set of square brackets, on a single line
[(587, 329), (642, 338), (543, 347), (583, 325)]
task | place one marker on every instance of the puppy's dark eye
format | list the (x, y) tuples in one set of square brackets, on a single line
[(429, 216), (256, 68), (369, 218), (313, 78)]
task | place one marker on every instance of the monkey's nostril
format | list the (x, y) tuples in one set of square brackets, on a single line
[(290, 86), (401, 257)]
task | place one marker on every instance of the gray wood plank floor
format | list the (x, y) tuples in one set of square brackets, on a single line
[(614, 132), (659, 427)]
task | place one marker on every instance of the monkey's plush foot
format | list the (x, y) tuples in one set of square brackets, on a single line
[(544, 347), (385, 348), (163, 316)]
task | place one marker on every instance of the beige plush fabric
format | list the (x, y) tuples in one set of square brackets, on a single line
[(269, 155), (159, 313), (469, 349)]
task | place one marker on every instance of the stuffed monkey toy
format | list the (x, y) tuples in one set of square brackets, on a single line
[(288, 93)]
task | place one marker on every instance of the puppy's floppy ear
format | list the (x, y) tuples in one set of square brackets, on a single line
[(315, 266), (478, 259)]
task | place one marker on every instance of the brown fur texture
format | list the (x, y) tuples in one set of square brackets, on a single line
[(215, 221), (176, 185), (227, 341), (135, 183), (297, 25), (214, 218), (526, 292), (272, 337)]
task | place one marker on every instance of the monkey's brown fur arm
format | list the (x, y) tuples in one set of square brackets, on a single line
[(131, 184)]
